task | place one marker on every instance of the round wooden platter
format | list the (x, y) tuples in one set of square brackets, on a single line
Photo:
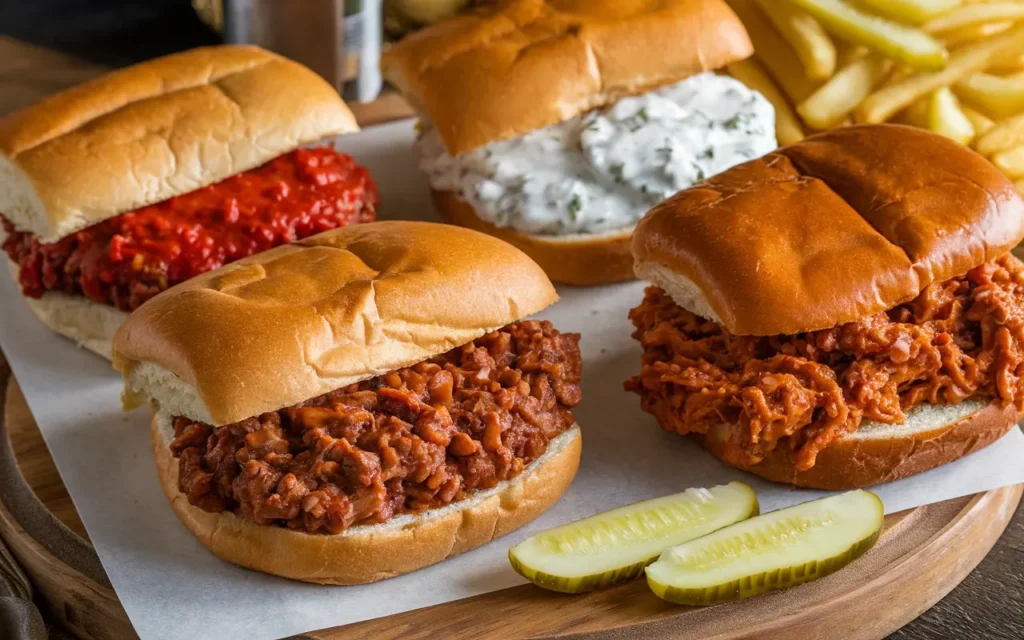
[(922, 554)]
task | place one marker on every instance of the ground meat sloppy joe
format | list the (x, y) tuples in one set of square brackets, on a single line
[(126, 260), (409, 440), (958, 339)]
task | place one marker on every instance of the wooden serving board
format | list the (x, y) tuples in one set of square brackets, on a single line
[(922, 554)]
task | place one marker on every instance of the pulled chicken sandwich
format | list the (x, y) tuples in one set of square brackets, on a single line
[(839, 313)]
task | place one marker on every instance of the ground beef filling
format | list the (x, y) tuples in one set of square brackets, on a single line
[(958, 339), (406, 441)]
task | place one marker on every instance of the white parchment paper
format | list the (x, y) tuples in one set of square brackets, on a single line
[(172, 587)]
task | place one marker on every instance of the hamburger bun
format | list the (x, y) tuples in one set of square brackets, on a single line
[(155, 130), (931, 436), (146, 133), (290, 324), (817, 233), (582, 259), (838, 227), (366, 553), (88, 324), (299, 320), (506, 70), (498, 73)]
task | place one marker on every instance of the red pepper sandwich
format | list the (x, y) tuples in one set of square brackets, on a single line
[(115, 190), (840, 313), (359, 404)]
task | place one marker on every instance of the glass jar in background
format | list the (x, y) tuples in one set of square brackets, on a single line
[(338, 39)]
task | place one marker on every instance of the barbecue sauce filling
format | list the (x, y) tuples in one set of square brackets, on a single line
[(126, 260), (409, 440), (961, 338)]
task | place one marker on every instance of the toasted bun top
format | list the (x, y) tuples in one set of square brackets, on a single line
[(155, 130), (501, 72), (836, 227), (300, 320)]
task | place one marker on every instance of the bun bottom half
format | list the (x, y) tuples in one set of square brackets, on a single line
[(581, 259), (367, 553), (89, 324), (932, 435)]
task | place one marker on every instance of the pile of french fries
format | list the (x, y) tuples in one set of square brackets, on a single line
[(955, 67)]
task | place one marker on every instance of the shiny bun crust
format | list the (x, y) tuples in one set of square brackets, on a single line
[(158, 129), (501, 72), (303, 319), (366, 553), (581, 260), (933, 435), (828, 230)]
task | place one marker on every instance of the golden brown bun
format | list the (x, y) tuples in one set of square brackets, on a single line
[(931, 436), (366, 553), (581, 260), (155, 130), (300, 320), (499, 73), (836, 227)]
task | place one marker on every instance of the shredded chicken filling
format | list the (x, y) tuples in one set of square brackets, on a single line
[(958, 339)]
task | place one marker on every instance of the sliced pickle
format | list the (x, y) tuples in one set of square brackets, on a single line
[(776, 550), (616, 545)]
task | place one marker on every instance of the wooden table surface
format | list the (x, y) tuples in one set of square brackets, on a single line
[(988, 605)]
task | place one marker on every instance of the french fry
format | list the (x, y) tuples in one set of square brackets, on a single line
[(1001, 136), (966, 60), (1010, 162), (946, 119), (975, 14), (912, 11), (1009, 66), (905, 44), (996, 96), (1019, 185), (963, 35), (787, 126), (847, 53), (838, 97), (810, 42), (916, 115), (979, 121), (772, 50)]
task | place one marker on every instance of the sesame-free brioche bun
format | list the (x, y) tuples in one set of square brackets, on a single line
[(292, 323), (504, 70), (158, 129), (366, 553), (931, 436), (839, 226), (579, 259)]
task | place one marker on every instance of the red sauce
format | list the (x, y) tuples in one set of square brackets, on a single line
[(125, 260)]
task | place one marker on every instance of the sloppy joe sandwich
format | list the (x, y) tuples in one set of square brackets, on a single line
[(556, 124), (114, 190), (839, 313), (359, 404)]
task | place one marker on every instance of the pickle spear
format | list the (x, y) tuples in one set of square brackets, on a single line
[(616, 545), (905, 44), (776, 550)]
